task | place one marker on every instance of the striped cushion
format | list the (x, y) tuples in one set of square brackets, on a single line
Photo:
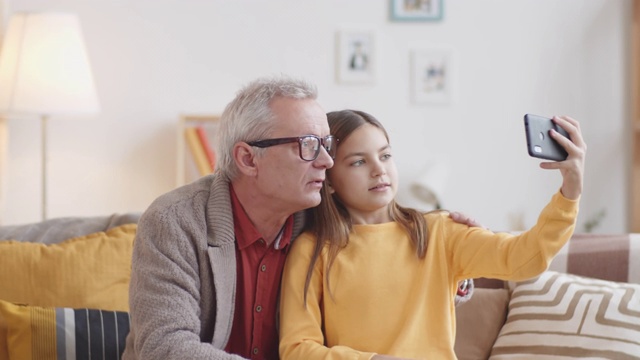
[(600, 256), (32, 332), (569, 316), (606, 257)]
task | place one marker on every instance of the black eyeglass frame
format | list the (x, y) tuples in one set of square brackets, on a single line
[(299, 139)]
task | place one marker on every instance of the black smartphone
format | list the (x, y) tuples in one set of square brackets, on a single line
[(539, 143)]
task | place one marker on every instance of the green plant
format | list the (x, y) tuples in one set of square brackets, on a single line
[(594, 221)]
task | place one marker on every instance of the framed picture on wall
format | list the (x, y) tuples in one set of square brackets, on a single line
[(431, 76), (356, 57), (416, 10)]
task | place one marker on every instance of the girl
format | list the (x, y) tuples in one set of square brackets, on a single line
[(370, 277)]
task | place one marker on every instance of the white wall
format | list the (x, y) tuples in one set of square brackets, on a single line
[(155, 59)]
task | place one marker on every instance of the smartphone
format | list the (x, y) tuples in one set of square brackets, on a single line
[(539, 143)]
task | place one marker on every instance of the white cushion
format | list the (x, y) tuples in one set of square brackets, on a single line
[(559, 316)]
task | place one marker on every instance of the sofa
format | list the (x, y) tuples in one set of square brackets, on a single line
[(586, 305), (64, 295), (64, 287)]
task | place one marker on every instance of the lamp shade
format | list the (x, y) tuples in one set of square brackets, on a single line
[(429, 185), (44, 68)]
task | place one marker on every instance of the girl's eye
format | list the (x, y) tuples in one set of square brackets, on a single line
[(385, 156), (357, 163)]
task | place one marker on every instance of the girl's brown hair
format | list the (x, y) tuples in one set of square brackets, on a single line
[(330, 221)]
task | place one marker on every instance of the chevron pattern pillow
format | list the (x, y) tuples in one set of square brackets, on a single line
[(569, 316)]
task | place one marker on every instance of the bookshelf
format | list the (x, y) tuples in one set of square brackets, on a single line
[(189, 164)]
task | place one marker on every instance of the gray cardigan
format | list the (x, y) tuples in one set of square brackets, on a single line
[(183, 278)]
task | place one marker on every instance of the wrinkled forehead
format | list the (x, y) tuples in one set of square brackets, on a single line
[(294, 117)]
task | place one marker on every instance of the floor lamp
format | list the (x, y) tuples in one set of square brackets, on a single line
[(44, 72)]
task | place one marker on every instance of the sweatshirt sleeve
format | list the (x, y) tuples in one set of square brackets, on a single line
[(478, 252), (301, 335)]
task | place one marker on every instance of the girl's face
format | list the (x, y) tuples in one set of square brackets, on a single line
[(364, 175)]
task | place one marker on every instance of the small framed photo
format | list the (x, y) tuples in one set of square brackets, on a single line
[(431, 76), (416, 10), (356, 57)]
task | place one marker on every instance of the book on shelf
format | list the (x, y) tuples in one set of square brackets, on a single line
[(206, 145), (197, 150)]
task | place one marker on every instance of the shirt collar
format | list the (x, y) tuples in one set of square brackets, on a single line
[(246, 234)]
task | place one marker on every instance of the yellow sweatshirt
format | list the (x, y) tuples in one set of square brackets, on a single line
[(388, 301)]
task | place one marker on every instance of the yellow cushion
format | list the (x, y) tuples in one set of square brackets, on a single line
[(4, 348), (91, 271), (43, 333)]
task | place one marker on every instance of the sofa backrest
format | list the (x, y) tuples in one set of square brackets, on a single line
[(53, 231), (601, 256), (613, 257)]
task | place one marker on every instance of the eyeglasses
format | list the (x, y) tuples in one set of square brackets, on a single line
[(309, 145)]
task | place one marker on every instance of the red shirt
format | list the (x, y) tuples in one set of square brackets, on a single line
[(259, 268)]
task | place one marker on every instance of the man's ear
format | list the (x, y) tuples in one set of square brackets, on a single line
[(245, 158)]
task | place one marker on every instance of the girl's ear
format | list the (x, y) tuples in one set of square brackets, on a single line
[(245, 159), (329, 187)]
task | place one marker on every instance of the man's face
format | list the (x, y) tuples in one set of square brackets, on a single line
[(290, 183)]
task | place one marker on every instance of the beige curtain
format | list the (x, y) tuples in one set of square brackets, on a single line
[(3, 161), (4, 138)]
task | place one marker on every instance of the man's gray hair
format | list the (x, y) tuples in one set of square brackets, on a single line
[(248, 116)]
